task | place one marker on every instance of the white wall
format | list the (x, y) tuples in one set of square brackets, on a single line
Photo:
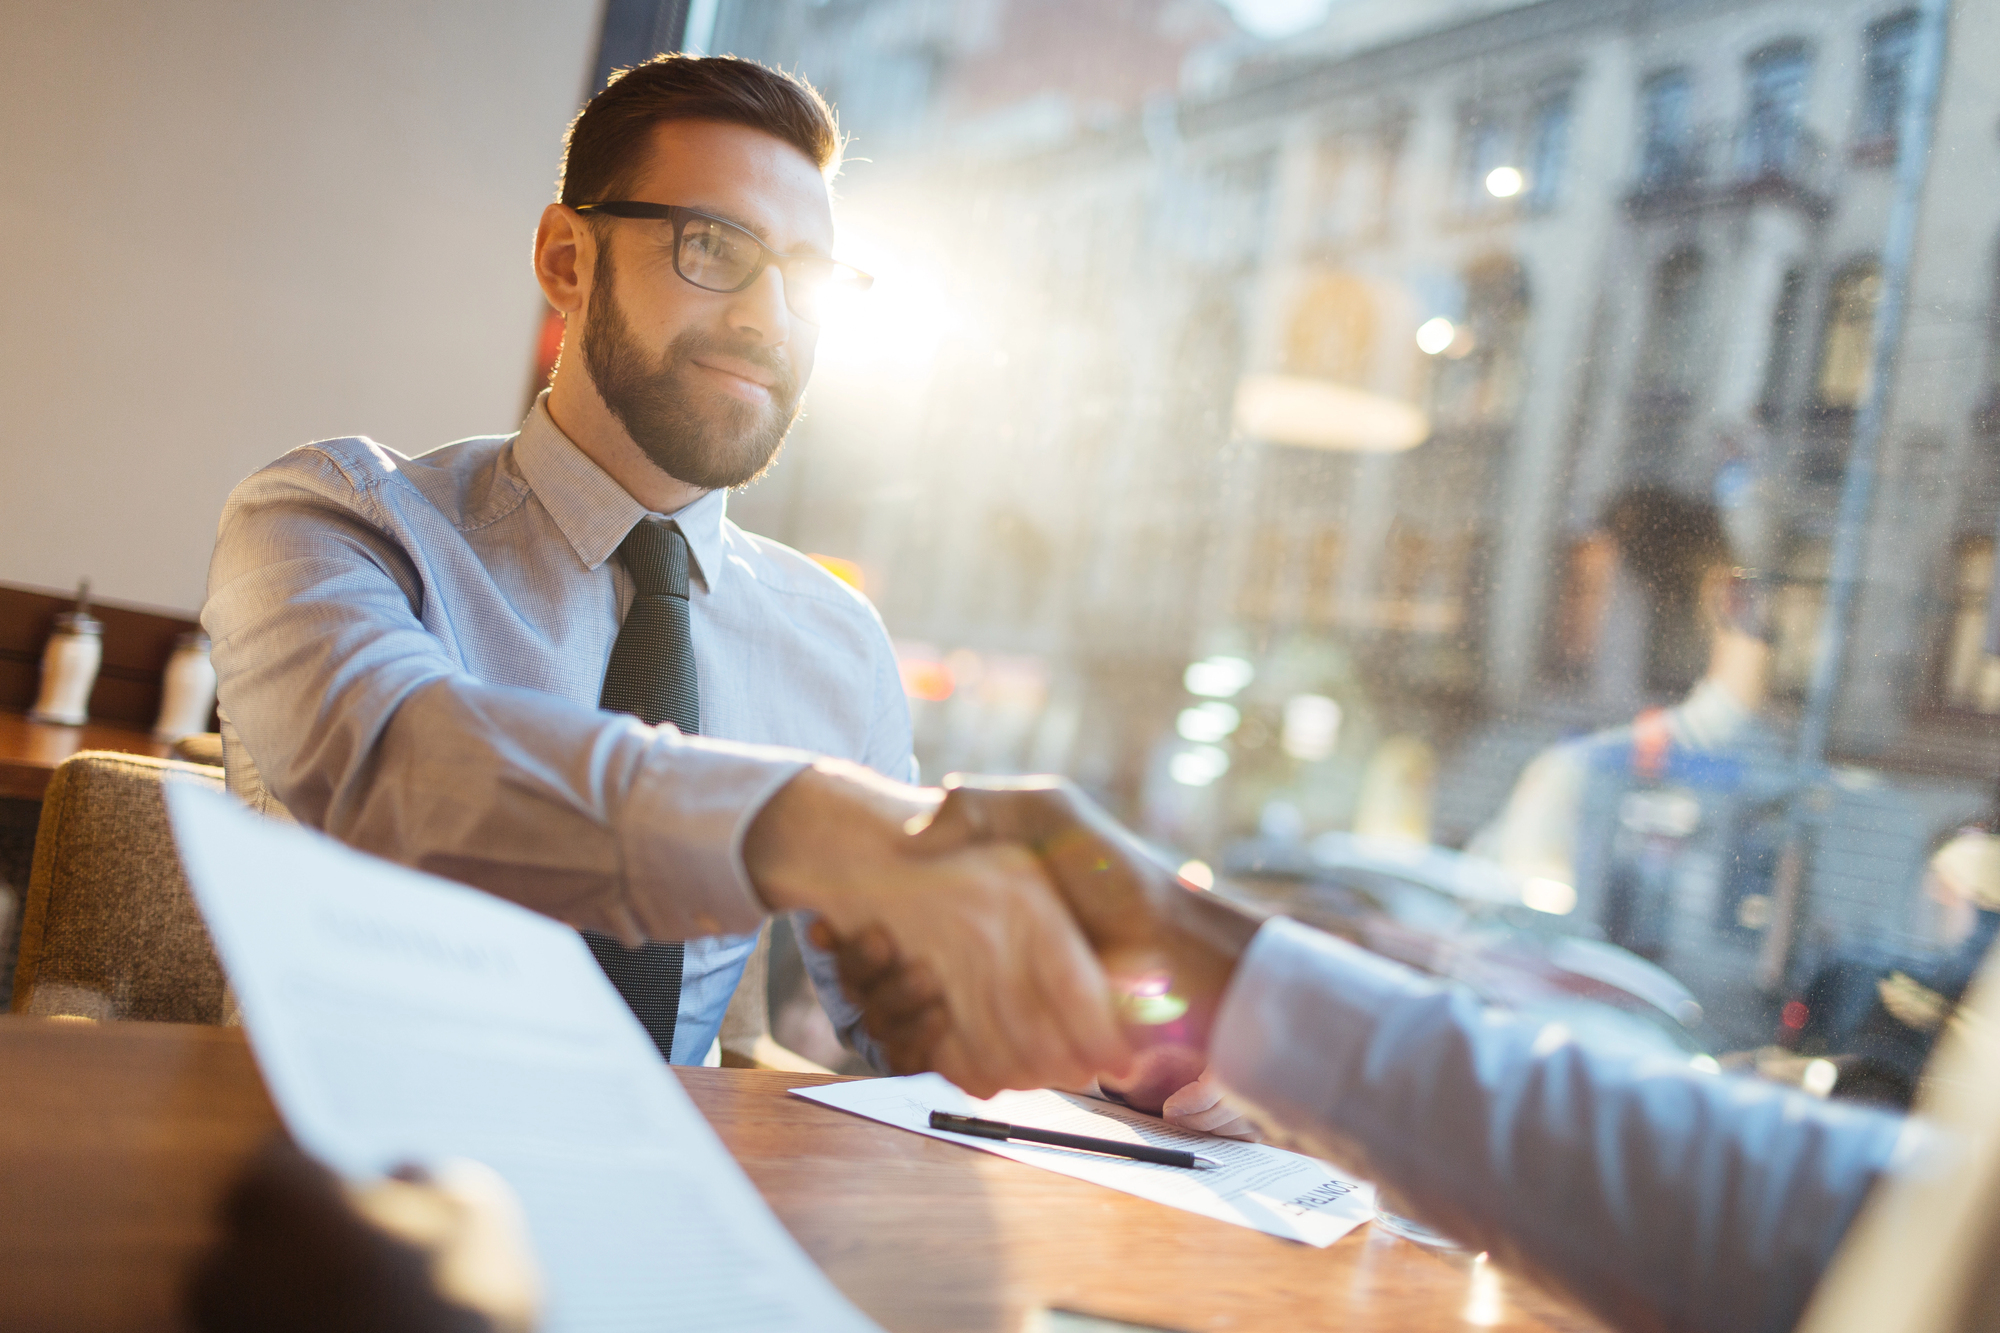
[(229, 228)]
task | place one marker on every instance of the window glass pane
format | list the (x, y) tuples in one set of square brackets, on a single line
[(1666, 153), (1772, 140), (1845, 352), (1428, 428), (1549, 151), (1887, 67)]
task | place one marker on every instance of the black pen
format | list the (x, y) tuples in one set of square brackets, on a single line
[(998, 1129)]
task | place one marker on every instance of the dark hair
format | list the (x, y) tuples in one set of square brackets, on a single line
[(1668, 540), (606, 143)]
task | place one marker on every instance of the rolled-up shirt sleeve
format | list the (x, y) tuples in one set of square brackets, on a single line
[(364, 723), (1661, 1197)]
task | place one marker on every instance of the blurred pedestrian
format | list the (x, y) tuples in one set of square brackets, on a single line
[(1700, 603)]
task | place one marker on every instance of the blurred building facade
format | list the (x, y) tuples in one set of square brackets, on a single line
[(1040, 463)]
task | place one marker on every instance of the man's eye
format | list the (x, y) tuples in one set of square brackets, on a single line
[(712, 245)]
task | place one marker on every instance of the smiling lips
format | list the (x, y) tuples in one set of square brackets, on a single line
[(744, 379)]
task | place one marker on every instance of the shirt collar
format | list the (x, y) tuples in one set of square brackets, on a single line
[(593, 511), (1710, 717)]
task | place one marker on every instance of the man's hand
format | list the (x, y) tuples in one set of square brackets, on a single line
[(1169, 952), (1016, 995)]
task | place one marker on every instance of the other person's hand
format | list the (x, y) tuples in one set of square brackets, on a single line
[(1015, 995), (1203, 1105)]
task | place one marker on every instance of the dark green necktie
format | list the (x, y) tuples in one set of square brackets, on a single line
[(652, 676)]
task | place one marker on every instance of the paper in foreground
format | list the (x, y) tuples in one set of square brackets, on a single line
[(400, 1018)]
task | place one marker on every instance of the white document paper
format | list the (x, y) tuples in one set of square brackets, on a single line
[(400, 1018), (1254, 1185)]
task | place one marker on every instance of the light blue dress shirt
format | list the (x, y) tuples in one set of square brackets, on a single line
[(409, 653), (1662, 1198)]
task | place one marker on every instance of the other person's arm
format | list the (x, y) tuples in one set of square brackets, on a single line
[(1660, 1197)]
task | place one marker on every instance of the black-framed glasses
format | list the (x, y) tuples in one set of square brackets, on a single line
[(719, 256)]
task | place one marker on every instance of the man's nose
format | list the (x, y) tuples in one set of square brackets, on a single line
[(759, 310)]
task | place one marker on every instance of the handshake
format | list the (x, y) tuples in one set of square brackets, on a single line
[(1006, 934)]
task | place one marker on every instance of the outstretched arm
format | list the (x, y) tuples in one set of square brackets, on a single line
[(1660, 1197)]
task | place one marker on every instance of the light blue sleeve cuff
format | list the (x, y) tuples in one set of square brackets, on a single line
[(1298, 1020), (682, 828)]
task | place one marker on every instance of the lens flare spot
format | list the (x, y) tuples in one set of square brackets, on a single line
[(1434, 335), (1154, 1010), (1549, 895)]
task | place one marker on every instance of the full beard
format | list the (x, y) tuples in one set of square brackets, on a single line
[(695, 437)]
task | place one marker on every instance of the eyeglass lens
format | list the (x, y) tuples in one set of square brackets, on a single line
[(715, 255), (721, 258)]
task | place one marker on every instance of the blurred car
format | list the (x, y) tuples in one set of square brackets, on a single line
[(1510, 941)]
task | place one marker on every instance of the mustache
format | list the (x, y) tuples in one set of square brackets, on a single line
[(693, 344)]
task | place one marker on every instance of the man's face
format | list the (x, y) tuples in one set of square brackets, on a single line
[(706, 383)]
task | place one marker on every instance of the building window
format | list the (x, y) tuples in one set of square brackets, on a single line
[(1784, 337), (1483, 147), (1986, 416), (1846, 363), (1666, 154), (1548, 152), (1479, 382), (1885, 77), (1662, 400), (1771, 130), (1971, 673), (1671, 323)]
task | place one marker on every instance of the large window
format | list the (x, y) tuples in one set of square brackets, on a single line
[(1345, 430)]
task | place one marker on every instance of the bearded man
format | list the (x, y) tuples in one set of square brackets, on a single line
[(548, 665)]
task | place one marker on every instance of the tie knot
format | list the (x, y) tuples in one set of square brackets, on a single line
[(656, 556)]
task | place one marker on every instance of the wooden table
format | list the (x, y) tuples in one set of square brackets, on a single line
[(30, 751), (116, 1141)]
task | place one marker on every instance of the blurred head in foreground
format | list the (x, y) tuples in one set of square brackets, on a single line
[(443, 1251)]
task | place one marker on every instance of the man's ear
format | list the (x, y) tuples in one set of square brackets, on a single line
[(565, 256)]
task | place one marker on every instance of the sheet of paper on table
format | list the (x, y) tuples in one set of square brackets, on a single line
[(1258, 1186), (400, 1018)]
